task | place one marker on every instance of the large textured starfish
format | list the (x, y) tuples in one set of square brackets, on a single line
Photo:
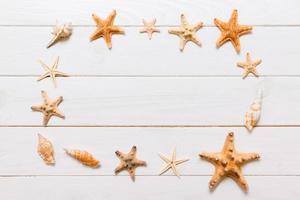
[(49, 108), (249, 66), (129, 162), (228, 163), (171, 163), (231, 31), (186, 32), (149, 28), (106, 28), (51, 72)]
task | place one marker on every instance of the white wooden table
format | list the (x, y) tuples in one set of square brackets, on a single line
[(149, 94)]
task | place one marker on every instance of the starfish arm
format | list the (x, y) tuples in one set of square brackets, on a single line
[(57, 113), (37, 108), (156, 30), (216, 179), (62, 74), (196, 41), (197, 26), (144, 22), (116, 30), (97, 34), (58, 100), (111, 18), (132, 173), (211, 157), (182, 44), (242, 64), (243, 158), (248, 57), (44, 96), (243, 29), (52, 75), (144, 30), (133, 151), (256, 63), (220, 24), (236, 43), (107, 38), (177, 162), (165, 169), (46, 119), (175, 170), (228, 146), (254, 72), (55, 63), (176, 31), (221, 40), (47, 74), (153, 21), (183, 20), (164, 158), (98, 20), (150, 34), (139, 163), (233, 18), (120, 155), (120, 168), (240, 180), (46, 68), (245, 74), (174, 155)]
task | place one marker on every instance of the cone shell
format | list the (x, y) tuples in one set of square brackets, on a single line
[(84, 157), (253, 114), (60, 32), (45, 150)]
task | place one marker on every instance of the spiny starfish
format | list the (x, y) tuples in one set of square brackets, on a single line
[(49, 108), (231, 31), (106, 28), (186, 32), (249, 66), (51, 72), (171, 163), (228, 163), (129, 162), (149, 28)]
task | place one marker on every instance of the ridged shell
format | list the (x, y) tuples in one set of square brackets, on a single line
[(60, 32), (84, 157), (45, 150), (253, 114)]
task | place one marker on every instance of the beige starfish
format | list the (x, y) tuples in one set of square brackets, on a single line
[(49, 108), (106, 28), (171, 163), (231, 31), (249, 66), (129, 162), (149, 28), (51, 72), (228, 163), (187, 32)]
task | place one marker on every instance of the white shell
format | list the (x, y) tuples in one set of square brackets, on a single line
[(253, 114), (60, 32)]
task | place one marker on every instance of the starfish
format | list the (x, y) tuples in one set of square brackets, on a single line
[(106, 28), (231, 31), (129, 162), (149, 27), (186, 32), (51, 72), (49, 108), (249, 66), (171, 163), (228, 163)]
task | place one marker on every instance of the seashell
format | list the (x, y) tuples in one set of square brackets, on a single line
[(84, 157), (253, 114), (45, 150), (60, 32)]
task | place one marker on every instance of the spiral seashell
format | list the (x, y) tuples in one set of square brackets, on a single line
[(84, 157), (45, 150), (253, 114), (60, 32)]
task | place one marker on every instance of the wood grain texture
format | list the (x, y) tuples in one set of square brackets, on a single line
[(151, 101), (18, 146), (134, 55), (154, 188), (35, 12)]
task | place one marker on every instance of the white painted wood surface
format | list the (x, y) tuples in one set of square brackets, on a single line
[(149, 94)]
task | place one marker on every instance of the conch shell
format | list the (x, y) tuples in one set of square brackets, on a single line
[(253, 114), (84, 157), (45, 150), (60, 32)]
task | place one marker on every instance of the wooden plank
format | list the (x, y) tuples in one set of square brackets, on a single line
[(111, 188), (135, 55), (18, 156), (34, 12), (151, 101)]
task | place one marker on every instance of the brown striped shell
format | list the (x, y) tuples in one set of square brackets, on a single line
[(84, 157)]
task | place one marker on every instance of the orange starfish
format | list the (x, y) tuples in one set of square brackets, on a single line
[(106, 28), (231, 31), (228, 163)]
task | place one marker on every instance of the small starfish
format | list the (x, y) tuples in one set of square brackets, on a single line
[(249, 66), (171, 163), (51, 72), (106, 28), (228, 163), (231, 31), (187, 32), (149, 28), (129, 162), (49, 108)]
